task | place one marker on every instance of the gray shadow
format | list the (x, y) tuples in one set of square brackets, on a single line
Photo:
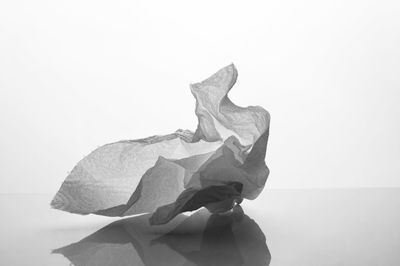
[(200, 239)]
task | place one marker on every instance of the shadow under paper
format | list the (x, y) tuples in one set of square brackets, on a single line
[(200, 239)]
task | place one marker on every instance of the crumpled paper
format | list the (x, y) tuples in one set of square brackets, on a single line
[(217, 166)]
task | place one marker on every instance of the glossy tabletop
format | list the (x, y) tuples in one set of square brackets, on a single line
[(281, 227)]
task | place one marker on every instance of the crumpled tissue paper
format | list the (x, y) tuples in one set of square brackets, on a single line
[(215, 167)]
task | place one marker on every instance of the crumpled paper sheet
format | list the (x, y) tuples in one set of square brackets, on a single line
[(217, 166)]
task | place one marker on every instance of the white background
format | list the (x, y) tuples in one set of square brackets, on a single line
[(78, 74)]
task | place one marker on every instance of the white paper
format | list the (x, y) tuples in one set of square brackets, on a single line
[(217, 166)]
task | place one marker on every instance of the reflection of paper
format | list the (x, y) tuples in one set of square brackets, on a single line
[(200, 239), (163, 173)]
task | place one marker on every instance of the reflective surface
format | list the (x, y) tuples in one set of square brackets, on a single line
[(281, 227), (200, 239)]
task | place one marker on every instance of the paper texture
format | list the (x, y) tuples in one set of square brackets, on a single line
[(217, 166)]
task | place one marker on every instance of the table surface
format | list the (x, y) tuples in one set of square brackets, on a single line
[(280, 227)]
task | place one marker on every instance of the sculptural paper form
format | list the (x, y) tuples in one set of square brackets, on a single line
[(217, 166)]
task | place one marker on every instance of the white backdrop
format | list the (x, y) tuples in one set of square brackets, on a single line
[(77, 74)]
